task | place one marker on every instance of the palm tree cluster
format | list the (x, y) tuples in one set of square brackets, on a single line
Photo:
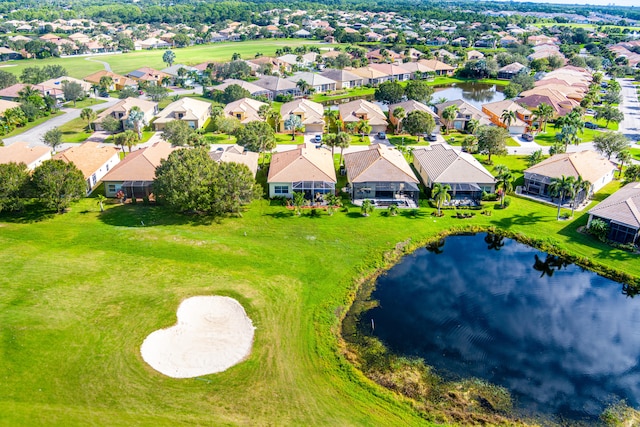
[(568, 187)]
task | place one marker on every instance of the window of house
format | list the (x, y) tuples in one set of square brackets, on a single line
[(238, 116), (281, 189), (107, 167), (111, 188), (93, 179)]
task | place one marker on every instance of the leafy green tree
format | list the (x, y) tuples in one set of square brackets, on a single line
[(367, 207), (58, 183), (390, 92), (14, 182), (524, 80), (53, 138), (168, 57), (632, 174), (399, 113), (419, 90), (177, 132), (534, 158), (492, 141), (231, 93), (440, 195), (89, 115), (227, 125), (256, 136), (561, 188), (418, 123), (111, 124), (181, 40), (610, 143), (293, 123), (72, 91), (234, 187), (128, 92), (624, 157), (610, 114), (512, 90), (7, 79), (157, 93)]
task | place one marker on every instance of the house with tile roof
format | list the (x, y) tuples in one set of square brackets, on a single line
[(317, 82), (6, 105), (495, 110), (20, 152), (370, 76), (441, 164), (277, 86), (119, 82), (93, 159), (134, 175), (360, 109), (396, 72), (591, 166), (120, 111), (59, 82), (621, 212), (192, 111), (148, 75), (381, 174), (408, 107), (245, 110), (561, 104), (344, 79), (310, 113), (254, 89), (439, 68), (511, 70), (466, 112), (307, 169), (237, 154)]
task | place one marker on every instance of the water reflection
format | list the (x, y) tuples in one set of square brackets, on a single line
[(475, 94), (564, 340)]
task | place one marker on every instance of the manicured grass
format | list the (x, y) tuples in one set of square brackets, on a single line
[(454, 137), (407, 140), (516, 164), (635, 152), (146, 136), (80, 67), (220, 138), (359, 140), (511, 142), (29, 125), (548, 138), (87, 102), (285, 138), (86, 288), (76, 130)]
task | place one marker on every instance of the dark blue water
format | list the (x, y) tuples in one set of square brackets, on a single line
[(564, 341)]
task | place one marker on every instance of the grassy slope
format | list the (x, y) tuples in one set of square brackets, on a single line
[(86, 288), (80, 67)]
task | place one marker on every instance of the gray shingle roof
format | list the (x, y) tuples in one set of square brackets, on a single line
[(623, 206)]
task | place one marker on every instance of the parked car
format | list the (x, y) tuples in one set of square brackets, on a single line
[(381, 135), (590, 111), (527, 137), (432, 137), (317, 139), (590, 125)]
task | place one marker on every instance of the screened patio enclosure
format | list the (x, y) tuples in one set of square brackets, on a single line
[(312, 189), (465, 190), (385, 190), (137, 189)]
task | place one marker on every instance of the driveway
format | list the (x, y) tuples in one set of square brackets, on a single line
[(630, 106), (34, 135)]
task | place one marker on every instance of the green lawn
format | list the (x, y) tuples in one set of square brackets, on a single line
[(76, 130), (86, 288), (80, 67), (146, 136), (548, 138), (516, 164), (29, 125), (87, 102), (635, 152), (285, 138), (407, 140), (219, 138), (359, 140)]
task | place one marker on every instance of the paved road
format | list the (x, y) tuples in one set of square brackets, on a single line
[(34, 135), (630, 106), (106, 65)]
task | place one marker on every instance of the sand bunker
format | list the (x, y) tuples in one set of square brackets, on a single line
[(212, 334)]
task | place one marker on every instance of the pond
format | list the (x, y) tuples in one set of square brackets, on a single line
[(475, 94), (563, 340)]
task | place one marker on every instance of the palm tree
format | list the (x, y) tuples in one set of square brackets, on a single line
[(303, 86), (343, 140), (105, 83), (367, 207), (579, 185), (100, 200), (363, 128), (560, 188), (623, 157), (27, 92), (298, 202), (504, 182), (440, 194), (89, 115), (331, 116), (544, 113), (333, 202), (473, 125), (293, 123), (534, 158), (449, 114), (274, 118), (263, 111), (135, 119), (508, 117), (393, 209), (399, 113)]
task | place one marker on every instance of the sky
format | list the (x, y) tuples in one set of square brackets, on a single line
[(592, 2)]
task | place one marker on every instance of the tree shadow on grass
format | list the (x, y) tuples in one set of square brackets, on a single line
[(412, 213), (139, 215), (519, 219), (31, 213)]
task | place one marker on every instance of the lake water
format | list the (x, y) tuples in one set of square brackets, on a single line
[(564, 341), (475, 94)]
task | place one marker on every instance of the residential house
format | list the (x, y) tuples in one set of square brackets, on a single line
[(307, 169), (441, 164), (6, 105), (277, 86), (511, 70), (310, 113), (558, 101), (507, 41), (360, 109), (381, 174), (344, 79), (245, 110), (120, 111), (460, 41), (7, 54), (466, 112), (495, 110), (486, 42), (92, 159), (370, 76), (134, 175), (20, 152), (12, 93), (253, 88), (187, 71), (119, 82), (306, 60), (418, 70), (154, 43), (318, 83), (266, 62), (474, 54), (591, 166), (545, 51), (148, 75), (410, 106), (621, 212), (438, 67), (237, 154), (383, 55), (396, 72), (58, 83), (192, 111)]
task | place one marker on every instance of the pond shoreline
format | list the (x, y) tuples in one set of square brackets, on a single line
[(468, 401)]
